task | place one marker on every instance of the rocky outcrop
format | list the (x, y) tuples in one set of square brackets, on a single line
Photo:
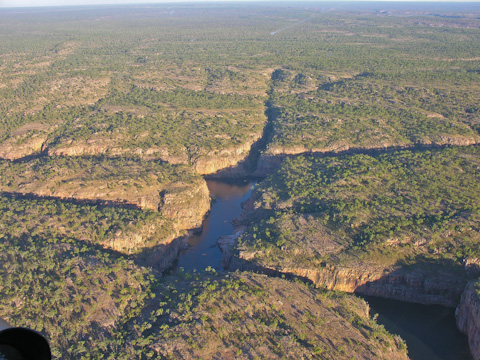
[(161, 257), (100, 146), (468, 317), (226, 245), (186, 204), (21, 146), (393, 283), (226, 162)]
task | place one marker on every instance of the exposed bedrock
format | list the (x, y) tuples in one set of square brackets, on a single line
[(468, 317), (224, 162), (412, 285), (21, 146), (272, 158), (162, 256)]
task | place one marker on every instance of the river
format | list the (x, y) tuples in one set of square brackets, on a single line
[(429, 330), (203, 251)]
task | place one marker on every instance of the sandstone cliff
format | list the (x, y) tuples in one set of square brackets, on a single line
[(468, 317), (186, 204), (226, 162), (271, 159), (102, 146), (393, 283), (183, 206), (17, 147)]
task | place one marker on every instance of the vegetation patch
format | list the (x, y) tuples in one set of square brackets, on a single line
[(389, 207)]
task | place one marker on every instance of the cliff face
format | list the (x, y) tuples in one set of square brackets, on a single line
[(340, 146), (272, 158), (100, 146), (183, 207), (226, 162), (186, 204), (21, 146), (95, 191), (161, 257), (394, 283), (468, 317)]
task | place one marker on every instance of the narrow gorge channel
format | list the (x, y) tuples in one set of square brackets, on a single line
[(203, 251), (429, 330)]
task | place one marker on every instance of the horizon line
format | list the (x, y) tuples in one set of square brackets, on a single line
[(5, 4)]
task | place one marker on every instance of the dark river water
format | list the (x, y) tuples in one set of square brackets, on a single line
[(429, 330), (203, 250)]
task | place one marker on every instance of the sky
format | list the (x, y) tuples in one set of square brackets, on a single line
[(23, 3)]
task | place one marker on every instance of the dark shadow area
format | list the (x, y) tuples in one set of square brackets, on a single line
[(429, 330), (30, 157), (422, 281), (161, 257), (233, 263)]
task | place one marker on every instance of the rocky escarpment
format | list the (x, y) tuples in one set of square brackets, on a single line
[(183, 207), (102, 146), (468, 317), (187, 204), (341, 146), (413, 284), (226, 162), (393, 283), (272, 159), (231, 162), (21, 146)]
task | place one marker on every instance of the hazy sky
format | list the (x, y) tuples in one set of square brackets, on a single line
[(14, 3)]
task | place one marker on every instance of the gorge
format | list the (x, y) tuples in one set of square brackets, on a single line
[(333, 161)]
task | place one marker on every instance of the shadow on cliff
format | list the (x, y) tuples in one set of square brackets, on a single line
[(421, 280), (267, 164), (232, 262), (248, 166), (161, 257)]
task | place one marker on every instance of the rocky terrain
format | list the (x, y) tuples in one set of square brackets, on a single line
[(316, 220), (468, 317), (244, 315), (174, 191), (111, 118)]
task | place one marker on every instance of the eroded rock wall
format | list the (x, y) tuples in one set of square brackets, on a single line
[(468, 317), (393, 283)]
